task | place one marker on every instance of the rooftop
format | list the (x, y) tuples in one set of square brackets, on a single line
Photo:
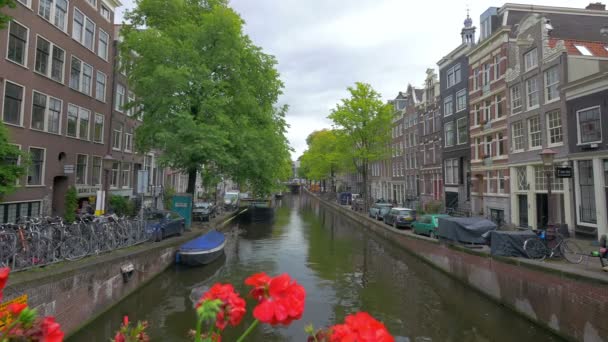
[(582, 47)]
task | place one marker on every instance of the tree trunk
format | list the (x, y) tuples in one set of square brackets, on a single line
[(191, 182), (366, 201)]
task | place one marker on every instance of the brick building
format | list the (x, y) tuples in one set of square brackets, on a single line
[(430, 142)]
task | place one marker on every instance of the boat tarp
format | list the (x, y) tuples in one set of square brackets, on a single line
[(208, 241), (465, 229), (510, 243)]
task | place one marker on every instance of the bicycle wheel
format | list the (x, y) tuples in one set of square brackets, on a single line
[(572, 252), (535, 249), (74, 248)]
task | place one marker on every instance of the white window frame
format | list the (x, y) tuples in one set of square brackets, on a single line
[(462, 93), (43, 171), (112, 169), (549, 86), (120, 102), (101, 10), (532, 134), (549, 128), (27, 43), (21, 111), (131, 109), (50, 60), (78, 124), (116, 132), (516, 89), (103, 54), (28, 3), (100, 180), (578, 126), (83, 33), (128, 142), (466, 128), (452, 171), (101, 97), (86, 169), (448, 100), (529, 93), (514, 137), (447, 132), (122, 175), (498, 144), (500, 175), (46, 113), (81, 83), (496, 67), (530, 59), (103, 124), (52, 15), (92, 3)]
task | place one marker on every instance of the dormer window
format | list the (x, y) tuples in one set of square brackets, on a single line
[(583, 50)]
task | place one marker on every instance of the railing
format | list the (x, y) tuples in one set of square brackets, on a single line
[(38, 242)]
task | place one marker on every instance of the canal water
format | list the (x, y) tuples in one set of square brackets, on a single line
[(344, 269)]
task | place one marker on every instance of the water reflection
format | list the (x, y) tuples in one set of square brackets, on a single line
[(343, 268)]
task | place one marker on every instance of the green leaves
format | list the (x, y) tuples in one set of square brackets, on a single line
[(4, 19), (13, 164)]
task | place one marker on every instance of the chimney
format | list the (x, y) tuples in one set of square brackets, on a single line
[(596, 6)]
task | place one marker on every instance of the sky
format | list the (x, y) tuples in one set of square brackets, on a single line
[(325, 46)]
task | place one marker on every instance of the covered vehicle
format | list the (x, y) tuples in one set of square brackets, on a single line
[(470, 230), (231, 200), (378, 210), (400, 217), (345, 198), (162, 223), (203, 211), (427, 224)]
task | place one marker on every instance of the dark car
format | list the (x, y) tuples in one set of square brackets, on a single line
[(400, 217), (203, 211), (161, 223), (378, 210)]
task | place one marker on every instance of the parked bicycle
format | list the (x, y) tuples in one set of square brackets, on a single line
[(551, 243)]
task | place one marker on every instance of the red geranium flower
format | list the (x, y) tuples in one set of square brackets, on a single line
[(16, 308), (51, 330), (232, 308), (360, 327), (119, 337), (281, 299), (3, 278)]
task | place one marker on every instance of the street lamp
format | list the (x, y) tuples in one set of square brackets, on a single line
[(547, 156), (108, 160)]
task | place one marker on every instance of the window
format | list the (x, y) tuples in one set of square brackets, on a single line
[(117, 136), (100, 86), (98, 128), (457, 74), (461, 100), (82, 161), (476, 148), (554, 128), (13, 104), (587, 191), (120, 99), (11, 212), (530, 59), (96, 171), (102, 45), (487, 150), (448, 106), (131, 111), (451, 171), (540, 178), (498, 103), (106, 13), (453, 76), (55, 11), (129, 141), (551, 83), (462, 131), (496, 67), (26, 3), (500, 142), (81, 76), (92, 3), (126, 175), (517, 135), (83, 29), (487, 114), (49, 59), (449, 134), (516, 99), (589, 125), (475, 79), (486, 74), (46, 113), (35, 173), (583, 50), (522, 182), (17, 43), (115, 175), (78, 122), (532, 92), (534, 132)]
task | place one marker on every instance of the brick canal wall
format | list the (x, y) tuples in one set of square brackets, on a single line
[(572, 305), (77, 292)]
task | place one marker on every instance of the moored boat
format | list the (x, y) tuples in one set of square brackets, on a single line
[(202, 250)]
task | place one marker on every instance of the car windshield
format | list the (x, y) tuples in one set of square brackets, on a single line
[(202, 205), (154, 216), (405, 212)]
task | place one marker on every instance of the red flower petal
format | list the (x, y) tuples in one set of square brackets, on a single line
[(51, 330), (16, 308)]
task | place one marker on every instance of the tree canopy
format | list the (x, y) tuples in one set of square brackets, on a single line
[(208, 93), (10, 167), (4, 19), (323, 158)]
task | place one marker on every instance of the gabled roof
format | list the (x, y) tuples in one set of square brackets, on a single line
[(597, 49)]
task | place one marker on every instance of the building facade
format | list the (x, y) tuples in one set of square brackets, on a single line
[(397, 184), (412, 154), (56, 99), (456, 157)]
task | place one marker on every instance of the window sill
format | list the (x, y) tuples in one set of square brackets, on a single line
[(589, 143), (116, 149), (48, 77), (18, 64), (556, 145), (35, 186), (551, 101), (516, 113), (535, 148), (532, 108), (12, 124), (76, 138), (58, 28)]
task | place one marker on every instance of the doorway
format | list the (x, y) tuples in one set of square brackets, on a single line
[(522, 201), (542, 211), (60, 188)]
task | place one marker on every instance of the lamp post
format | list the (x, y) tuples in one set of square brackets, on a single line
[(547, 156), (108, 160)]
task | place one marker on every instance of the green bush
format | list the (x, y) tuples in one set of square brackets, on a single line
[(71, 205), (122, 206), (168, 194), (434, 207)]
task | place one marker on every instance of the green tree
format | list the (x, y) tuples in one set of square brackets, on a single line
[(4, 18), (207, 91), (10, 168), (363, 124), (71, 205), (324, 156)]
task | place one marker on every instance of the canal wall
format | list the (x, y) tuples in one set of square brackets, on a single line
[(574, 305), (77, 292)]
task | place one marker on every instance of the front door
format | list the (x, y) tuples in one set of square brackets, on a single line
[(60, 188), (523, 210), (542, 210)]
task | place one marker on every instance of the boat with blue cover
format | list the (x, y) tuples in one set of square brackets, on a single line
[(202, 250)]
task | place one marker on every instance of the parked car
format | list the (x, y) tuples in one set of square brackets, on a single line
[(231, 200), (161, 224), (344, 198), (400, 217), (427, 224), (203, 211), (358, 204), (378, 210)]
